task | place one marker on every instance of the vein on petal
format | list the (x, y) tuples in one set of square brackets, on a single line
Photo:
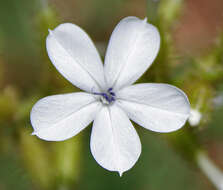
[(76, 60), (116, 152), (66, 117), (127, 58), (154, 107)]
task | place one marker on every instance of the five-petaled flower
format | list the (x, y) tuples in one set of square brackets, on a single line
[(109, 99)]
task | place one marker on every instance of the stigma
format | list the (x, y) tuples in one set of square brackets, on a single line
[(107, 97)]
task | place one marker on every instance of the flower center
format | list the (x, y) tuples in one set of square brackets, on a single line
[(106, 97)]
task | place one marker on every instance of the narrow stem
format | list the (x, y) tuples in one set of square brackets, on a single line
[(213, 173)]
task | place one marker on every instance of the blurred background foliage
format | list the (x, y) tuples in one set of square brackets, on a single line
[(191, 57)]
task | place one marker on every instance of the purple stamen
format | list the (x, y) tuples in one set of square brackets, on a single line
[(112, 93), (110, 89), (109, 97)]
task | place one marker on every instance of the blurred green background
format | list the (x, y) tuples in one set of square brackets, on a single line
[(191, 57)]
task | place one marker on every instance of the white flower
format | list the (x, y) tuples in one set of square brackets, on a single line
[(110, 98)]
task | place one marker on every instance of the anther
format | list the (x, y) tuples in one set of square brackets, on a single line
[(109, 97), (112, 93)]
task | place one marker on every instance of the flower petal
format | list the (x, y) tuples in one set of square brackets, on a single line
[(60, 117), (132, 48), (158, 107), (115, 144), (75, 57)]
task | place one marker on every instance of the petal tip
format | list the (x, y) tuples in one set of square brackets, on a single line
[(34, 133), (145, 20), (50, 31), (120, 173)]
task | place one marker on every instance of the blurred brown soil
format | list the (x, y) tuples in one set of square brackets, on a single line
[(201, 21), (196, 31)]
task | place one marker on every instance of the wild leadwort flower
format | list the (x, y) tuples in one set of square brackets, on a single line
[(110, 98)]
